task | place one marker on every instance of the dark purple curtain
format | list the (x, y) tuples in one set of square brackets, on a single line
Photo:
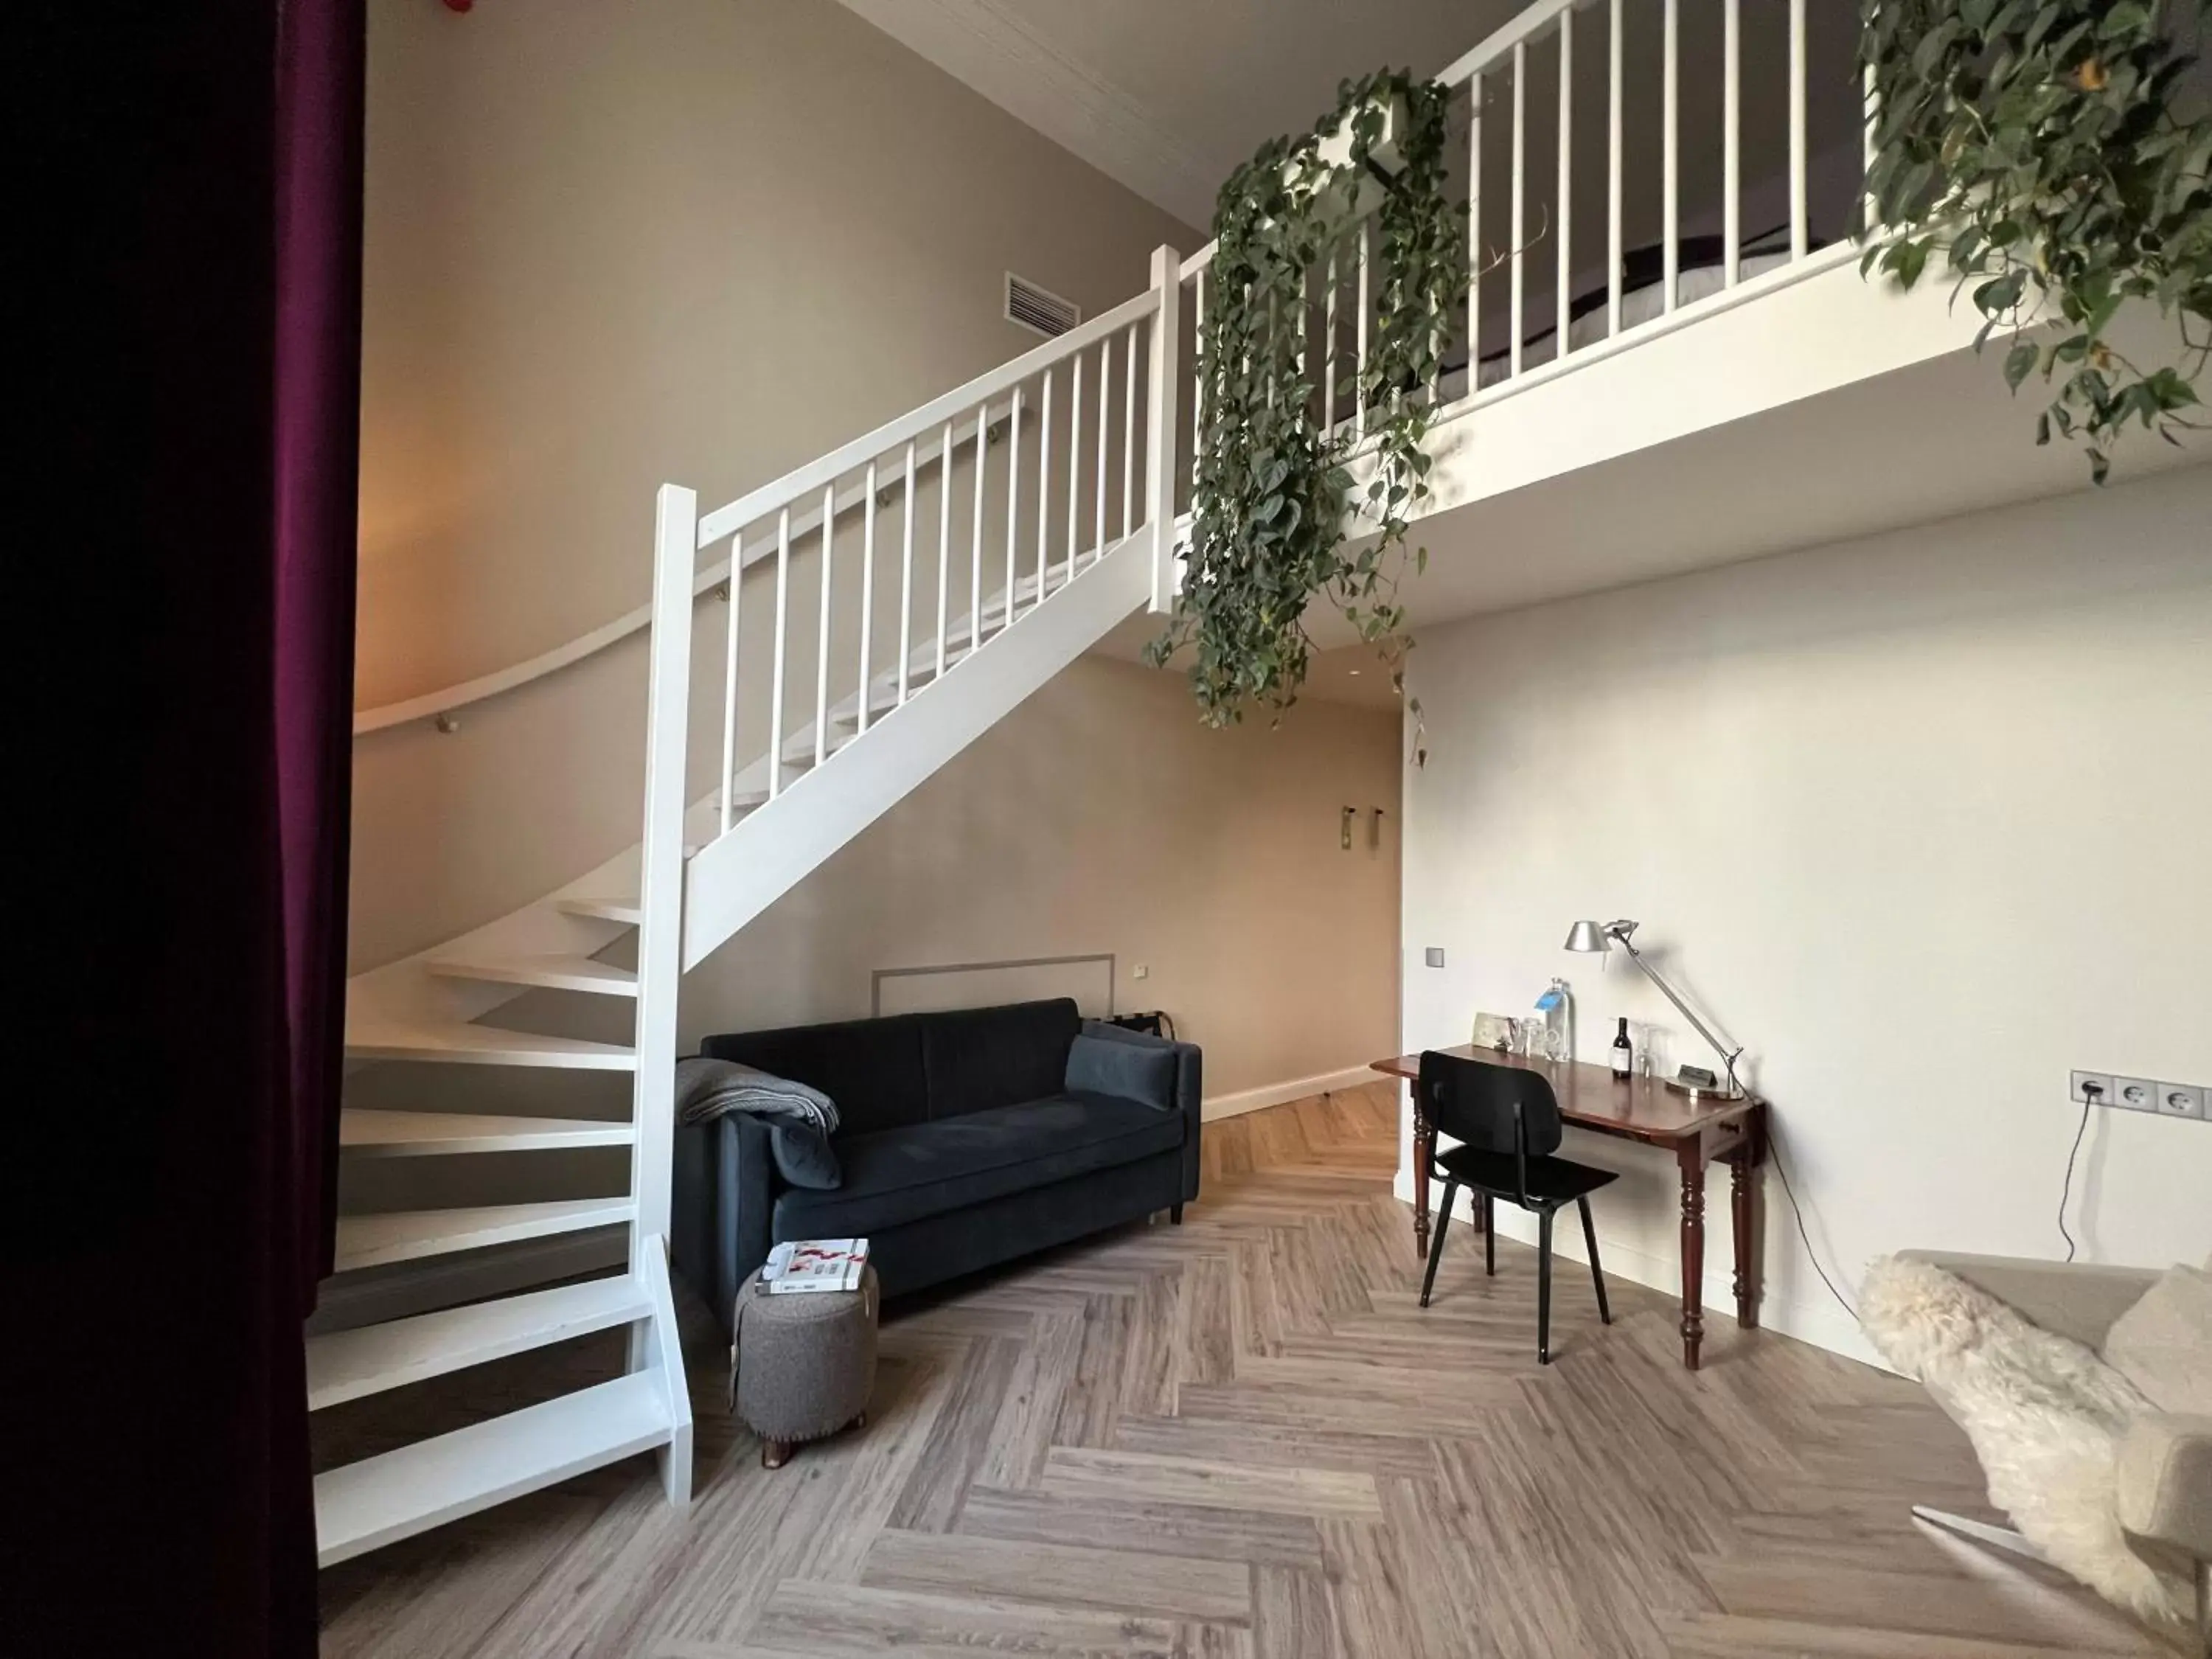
[(317, 450), (181, 665)]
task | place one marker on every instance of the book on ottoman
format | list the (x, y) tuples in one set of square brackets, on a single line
[(809, 1266)]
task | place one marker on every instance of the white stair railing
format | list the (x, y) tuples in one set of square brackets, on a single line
[(1516, 92), (959, 518)]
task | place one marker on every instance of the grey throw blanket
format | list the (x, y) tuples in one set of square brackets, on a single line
[(705, 1089), (799, 1120)]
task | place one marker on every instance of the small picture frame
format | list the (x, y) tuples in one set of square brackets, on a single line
[(1494, 1032)]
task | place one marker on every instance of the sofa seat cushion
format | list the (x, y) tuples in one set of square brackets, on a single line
[(897, 1175)]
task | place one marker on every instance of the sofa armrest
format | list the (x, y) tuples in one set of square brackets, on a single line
[(724, 1186), (2075, 1299), (2163, 1485), (1186, 1092)]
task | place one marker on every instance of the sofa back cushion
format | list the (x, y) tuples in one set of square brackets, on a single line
[(2163, 1345), (981, 1059), (871, 1069)]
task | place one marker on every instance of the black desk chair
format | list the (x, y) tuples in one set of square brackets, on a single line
[(1507, 1122)]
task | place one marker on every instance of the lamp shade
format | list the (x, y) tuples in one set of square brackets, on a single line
[(1588, 936)]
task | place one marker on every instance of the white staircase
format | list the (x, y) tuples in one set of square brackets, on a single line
[(1001, 569)]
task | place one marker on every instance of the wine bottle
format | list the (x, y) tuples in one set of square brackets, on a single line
[(1623, 1053)]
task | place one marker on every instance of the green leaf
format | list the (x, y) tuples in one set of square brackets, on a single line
[(2019, 363)]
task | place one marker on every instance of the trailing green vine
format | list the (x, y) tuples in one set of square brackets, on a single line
[(1273, 487), (2037, 146)]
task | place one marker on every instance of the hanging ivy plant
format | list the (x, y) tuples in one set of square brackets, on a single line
[(1273, 490), (2035, 145)]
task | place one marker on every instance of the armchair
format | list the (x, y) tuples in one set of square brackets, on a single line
[(2080, 1456)]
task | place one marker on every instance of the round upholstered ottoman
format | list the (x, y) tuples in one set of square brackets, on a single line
[(804, 1365)]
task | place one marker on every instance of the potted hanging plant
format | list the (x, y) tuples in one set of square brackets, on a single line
[(1277, 523), (2038, 149)]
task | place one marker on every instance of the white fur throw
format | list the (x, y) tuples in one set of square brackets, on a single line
[(2045, 1416)]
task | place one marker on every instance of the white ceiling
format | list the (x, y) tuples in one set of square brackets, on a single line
[(1167, 96)]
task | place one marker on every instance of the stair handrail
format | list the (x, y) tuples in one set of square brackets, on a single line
[(709, 578), (802, 482)]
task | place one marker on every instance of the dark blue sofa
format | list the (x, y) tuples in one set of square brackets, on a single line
[(966, 1138)]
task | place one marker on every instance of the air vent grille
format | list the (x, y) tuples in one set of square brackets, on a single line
[(1039, 310)]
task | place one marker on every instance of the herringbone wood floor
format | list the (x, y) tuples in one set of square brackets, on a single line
[(1242, 1437)]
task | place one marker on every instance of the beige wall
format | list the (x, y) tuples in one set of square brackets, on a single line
[(1921, 818), (1102, 816), (611, 244), (708, 240)]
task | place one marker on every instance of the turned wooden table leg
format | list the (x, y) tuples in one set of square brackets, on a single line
[(1743, 1204), (1425, 1147), (1691, 1156)]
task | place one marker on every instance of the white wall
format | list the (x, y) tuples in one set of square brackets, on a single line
[(1923, 819)]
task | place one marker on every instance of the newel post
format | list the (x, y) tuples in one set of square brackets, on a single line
[(1163, 374), (660, 933)]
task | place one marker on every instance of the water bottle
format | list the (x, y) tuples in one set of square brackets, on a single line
[(1557, 1006)]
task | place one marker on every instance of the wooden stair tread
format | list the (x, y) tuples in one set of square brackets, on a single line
[(558, 973), (368, 1241), (627, 911), (371, 1133), (347, 1365), (485, 1045), (361, 1506)]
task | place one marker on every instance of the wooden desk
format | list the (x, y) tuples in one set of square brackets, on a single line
[(1699, 1130)]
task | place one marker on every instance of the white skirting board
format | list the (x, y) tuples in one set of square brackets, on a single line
[(1277, 1094), (1822, 1323)]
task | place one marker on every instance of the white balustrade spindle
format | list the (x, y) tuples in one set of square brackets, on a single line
[(1105, 408), (1732, 143), (1013, 504), (1074, 465), (867, 592), (1612, 193), (1564, 297), (822, 641), (1520, 194), (1474, 234), (906, 579), (730, 680), (1044, 489), (1360, 342), (975, 538), (1799, 223), (1129, 438), (944, 538), (782, 630), (1671, 158)]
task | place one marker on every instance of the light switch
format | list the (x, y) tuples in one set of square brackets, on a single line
[(1434, 956)]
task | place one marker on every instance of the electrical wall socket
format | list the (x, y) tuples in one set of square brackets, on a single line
[(2134, 1094), (2141, 1094), (2180, 1100)]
